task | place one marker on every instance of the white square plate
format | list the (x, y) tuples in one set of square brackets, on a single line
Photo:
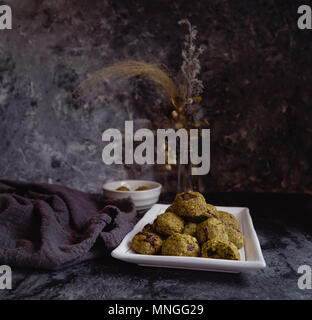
[(251, 254)]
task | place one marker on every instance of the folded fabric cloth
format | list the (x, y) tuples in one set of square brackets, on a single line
[(49, 226)]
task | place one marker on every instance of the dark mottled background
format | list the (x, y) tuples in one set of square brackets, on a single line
[(257, 74)]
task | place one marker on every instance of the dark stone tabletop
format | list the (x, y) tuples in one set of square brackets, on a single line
[(283, 225)]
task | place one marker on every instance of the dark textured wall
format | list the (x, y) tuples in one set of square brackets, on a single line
[(257, 74)]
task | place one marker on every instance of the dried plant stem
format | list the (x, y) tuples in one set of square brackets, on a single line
[(124, 70)]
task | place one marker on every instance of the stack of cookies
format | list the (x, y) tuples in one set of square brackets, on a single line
[(191, 227)]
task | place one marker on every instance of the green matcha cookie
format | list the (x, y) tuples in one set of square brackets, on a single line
[(146, 243), (209, 213), (211, 210), (190, 205), (180, 245), (142, 188), (211, 228), (150, 227), (169, 223), (218, 249), (190, 228), (235, 236), (122, 188), (170, 209), (227, 218)]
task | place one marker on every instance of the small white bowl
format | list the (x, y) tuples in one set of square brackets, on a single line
[(143, 200)]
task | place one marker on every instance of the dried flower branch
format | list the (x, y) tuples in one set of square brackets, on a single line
[(191, 65), (130, 68)]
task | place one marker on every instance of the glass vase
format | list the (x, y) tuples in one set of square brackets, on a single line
[(185, 179)]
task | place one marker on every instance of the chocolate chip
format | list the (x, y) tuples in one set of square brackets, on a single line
[(187, 196), (150, 238), (206, 231), (190, 247)]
